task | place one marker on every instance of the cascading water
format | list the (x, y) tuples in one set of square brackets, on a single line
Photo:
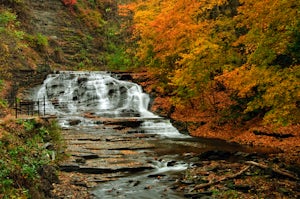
[(110, 134), (73, 95)]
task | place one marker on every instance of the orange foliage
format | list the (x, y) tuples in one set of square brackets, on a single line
[(173, 29), (69, 2), (249, 47), (126, 10)]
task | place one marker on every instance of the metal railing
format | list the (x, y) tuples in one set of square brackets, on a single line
[(30, 107)]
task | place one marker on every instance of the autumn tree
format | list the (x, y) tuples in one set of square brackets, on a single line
[(268, 81), (248, 48), (186, 40)]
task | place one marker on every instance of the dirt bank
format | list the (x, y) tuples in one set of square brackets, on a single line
[(208, 124)]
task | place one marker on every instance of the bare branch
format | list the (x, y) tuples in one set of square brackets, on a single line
[(281, 172), (200, 186)]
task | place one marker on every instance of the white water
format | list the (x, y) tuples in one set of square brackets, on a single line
[(147, 185), (71, 95)]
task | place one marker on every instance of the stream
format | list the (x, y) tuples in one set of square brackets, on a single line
[(122, 149)]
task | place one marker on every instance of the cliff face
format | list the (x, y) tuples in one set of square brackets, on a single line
[(43, 36), (71, 41)]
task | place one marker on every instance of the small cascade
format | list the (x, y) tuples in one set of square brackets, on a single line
[(80, 96), (153, 184)]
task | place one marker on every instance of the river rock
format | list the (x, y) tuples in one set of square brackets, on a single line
[(74, 122), (215, 155)]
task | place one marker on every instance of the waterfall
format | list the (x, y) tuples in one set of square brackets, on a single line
[(69, 93), (73, 95)]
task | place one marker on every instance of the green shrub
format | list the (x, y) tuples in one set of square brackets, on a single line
[(39, 41), (23, 155), (7, 18)]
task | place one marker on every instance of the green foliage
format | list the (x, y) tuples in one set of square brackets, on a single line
[(7, 19), (41, 40), (8, 24), (117, 58), (23, 154), (27, 124), (88, 12), (294, 47), (38, 41), (3, 102), (116, 55), (12, 45)]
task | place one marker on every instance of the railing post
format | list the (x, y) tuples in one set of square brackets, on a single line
[(32, 107), (38, 107), (20, 106), (44, 105), (28, 109)]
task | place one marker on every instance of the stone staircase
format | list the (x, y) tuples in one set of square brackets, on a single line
[(107, 152)]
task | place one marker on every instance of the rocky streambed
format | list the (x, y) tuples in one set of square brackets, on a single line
[(116, 159), (116, 148)]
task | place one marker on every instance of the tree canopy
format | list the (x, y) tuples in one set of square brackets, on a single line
[(248, 48)]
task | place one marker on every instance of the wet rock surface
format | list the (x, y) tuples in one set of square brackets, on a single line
[(110, 152), (110, 162)]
